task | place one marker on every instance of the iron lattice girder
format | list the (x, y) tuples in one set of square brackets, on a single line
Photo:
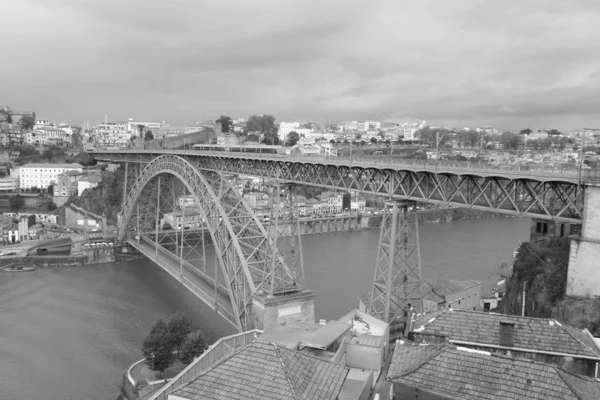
[(243, 247), (397, 280), (546, 198)]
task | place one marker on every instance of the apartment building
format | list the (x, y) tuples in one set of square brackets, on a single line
[(67, 183), (112, 134), (43, 175)]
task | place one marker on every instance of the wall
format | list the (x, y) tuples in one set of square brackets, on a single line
[(268, 311), (583, 276), (78, 218), (364, 357)]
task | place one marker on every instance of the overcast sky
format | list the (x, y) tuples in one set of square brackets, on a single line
[(459, 62)]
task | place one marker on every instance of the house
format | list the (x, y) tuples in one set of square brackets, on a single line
[(263, 371), (447, 372), (88, 182), (538, 339), (492, 301), (67, 183)]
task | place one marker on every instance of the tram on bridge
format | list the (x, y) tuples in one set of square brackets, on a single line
[(256, 149)]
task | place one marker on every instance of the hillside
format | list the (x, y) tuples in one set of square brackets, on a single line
[(105, 199), (542, 268)]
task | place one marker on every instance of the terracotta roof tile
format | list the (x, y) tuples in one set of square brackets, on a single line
[(539, 334), (264, 371), (473, 375)]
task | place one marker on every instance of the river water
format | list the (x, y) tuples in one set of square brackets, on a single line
[(69, 333)]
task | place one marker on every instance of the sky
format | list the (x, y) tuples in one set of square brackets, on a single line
[(515, 64)]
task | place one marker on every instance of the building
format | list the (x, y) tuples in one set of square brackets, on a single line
[(492, 301), (267, 371), (67, 183), (260, 202), (446, 372), (23, 227), (541, 228), (190, 216), (43, 175), (9, 184), (89, 182), (187, 201), (331, 202), (357, 202), (112, 134), (285, 128), (537, 339)]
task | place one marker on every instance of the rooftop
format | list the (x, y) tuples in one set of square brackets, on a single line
[(473, 375), (536, 334), (264, 371), (48, 165)]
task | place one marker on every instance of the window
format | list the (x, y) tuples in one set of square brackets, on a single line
[(542, 227)]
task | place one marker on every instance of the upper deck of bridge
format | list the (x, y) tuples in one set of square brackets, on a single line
[(540, 174)]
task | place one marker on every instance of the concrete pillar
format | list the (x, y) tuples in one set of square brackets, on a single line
[(583, 277), (278, 309)]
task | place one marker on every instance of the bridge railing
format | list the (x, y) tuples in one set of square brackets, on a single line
[(430, 165), (221, 349)]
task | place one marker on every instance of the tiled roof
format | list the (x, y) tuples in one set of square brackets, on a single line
[(264, 371), (475, 375), (536, 334)]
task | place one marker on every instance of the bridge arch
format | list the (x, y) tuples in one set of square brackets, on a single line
[(249, 261)]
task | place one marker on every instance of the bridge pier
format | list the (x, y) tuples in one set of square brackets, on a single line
[(583, 276), (269, 310)]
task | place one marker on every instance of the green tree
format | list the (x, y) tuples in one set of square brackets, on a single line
[(193, 346), (27, 122), (158, 347), (292, 138), (332, 141), (51, 206), (373, 140), (16, 202), (31, 220), (226, 123), (77, 140), (265, 125), (179, 328), (149, 136), (141, 129), (48, 154), (5, 116), (50, 189), (132, 138)]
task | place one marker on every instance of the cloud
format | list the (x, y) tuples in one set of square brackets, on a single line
[(462, 62)]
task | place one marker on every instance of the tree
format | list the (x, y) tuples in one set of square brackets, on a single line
[(27, 122), (373, 140), (132, 138), (5, 116), (332, 141), (149, 136), (226, 123), (16, 202), (193, 346), (292, 138), (511, 141), (265, 125), (51, 206), (50, 189), (48, 154), (525, 131), (141, 128), (158, 347), (179, 328), (31, 220)]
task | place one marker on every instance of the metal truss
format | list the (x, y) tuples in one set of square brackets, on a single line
[(397, 281), (243, 247), (284, 227), (545, 197)]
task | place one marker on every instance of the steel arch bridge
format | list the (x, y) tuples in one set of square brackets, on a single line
[(249, 261), (540, 194)]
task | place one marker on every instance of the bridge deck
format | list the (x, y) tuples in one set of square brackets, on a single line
[(189, 276), (541, 174)]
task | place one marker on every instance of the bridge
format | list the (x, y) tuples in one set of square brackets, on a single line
[(259, 275)]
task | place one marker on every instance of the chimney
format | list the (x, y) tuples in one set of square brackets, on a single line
[(507, 333)]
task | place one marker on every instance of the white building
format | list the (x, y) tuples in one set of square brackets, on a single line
[(88, 182), (286, 127), (43, 175), (357, 202), (190, 216), (112, 134), (9, 184)]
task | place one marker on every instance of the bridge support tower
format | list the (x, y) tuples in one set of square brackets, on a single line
[(397, 283), (284, 229), (583, 276)]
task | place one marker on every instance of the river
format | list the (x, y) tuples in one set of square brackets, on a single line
[(68, 333)]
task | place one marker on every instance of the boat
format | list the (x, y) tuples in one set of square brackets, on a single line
[(19, 268)]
